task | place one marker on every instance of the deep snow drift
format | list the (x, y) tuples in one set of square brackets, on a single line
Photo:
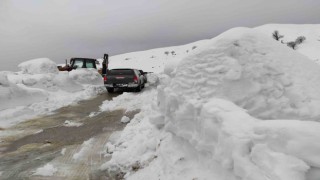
[(206, 121), (40, 88)]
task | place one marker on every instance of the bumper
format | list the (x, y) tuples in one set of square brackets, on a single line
[(130, 85)]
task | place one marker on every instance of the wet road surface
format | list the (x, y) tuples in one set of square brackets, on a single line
[(38, 141)]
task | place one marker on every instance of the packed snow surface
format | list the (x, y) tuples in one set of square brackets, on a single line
[(211, 117)]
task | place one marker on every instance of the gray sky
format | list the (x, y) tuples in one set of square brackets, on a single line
[(60, 29)]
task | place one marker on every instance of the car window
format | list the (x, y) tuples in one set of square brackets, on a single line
[(89, 64), (78, 62), (120, 72)]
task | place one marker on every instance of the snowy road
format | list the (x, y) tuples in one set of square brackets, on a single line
[(58, 139)]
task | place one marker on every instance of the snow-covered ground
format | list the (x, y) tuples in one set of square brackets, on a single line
[(39, 88), (243, 106)]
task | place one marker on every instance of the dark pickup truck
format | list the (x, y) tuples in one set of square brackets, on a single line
[(124, 79)]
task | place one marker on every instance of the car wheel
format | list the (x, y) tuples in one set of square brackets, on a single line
[(138, 89), (143, 85), (110, 90)]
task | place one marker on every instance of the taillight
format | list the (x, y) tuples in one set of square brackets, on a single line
[(105, 78), (135, 79)]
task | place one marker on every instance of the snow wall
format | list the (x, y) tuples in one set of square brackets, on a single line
[(214, 103)]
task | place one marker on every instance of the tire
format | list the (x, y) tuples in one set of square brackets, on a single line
[(143, 85), (138, 89), (110, 90)]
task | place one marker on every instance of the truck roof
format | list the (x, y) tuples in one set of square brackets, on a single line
[(83, 58), (122, 69)]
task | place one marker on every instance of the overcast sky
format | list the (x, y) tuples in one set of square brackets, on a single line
[(60, 29)]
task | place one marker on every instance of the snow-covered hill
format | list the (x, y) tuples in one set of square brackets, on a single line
[(211, 116), (310, 48), (155, 60)]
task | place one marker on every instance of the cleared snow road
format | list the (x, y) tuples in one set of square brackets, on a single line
[(34, 143)]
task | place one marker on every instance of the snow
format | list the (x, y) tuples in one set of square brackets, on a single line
[(310, 47), (18, 94), (68, 123), (242, 106), (128, 147), (63, 151), (46, 170), (85, 147), (86, 76), (155, 60), (125, 119), (38, 66), (39, 88), (255, 72)]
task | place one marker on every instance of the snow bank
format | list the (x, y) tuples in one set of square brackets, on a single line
[(86, 76), (39, 88), (267, 80), (254, 71), (38, 66), (127, 141), (12, 95), (206, 121)]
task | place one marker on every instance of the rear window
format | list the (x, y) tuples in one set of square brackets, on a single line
[(120, 72)]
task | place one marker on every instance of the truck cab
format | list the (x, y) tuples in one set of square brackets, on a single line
[(82, 63), (79, 63)]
